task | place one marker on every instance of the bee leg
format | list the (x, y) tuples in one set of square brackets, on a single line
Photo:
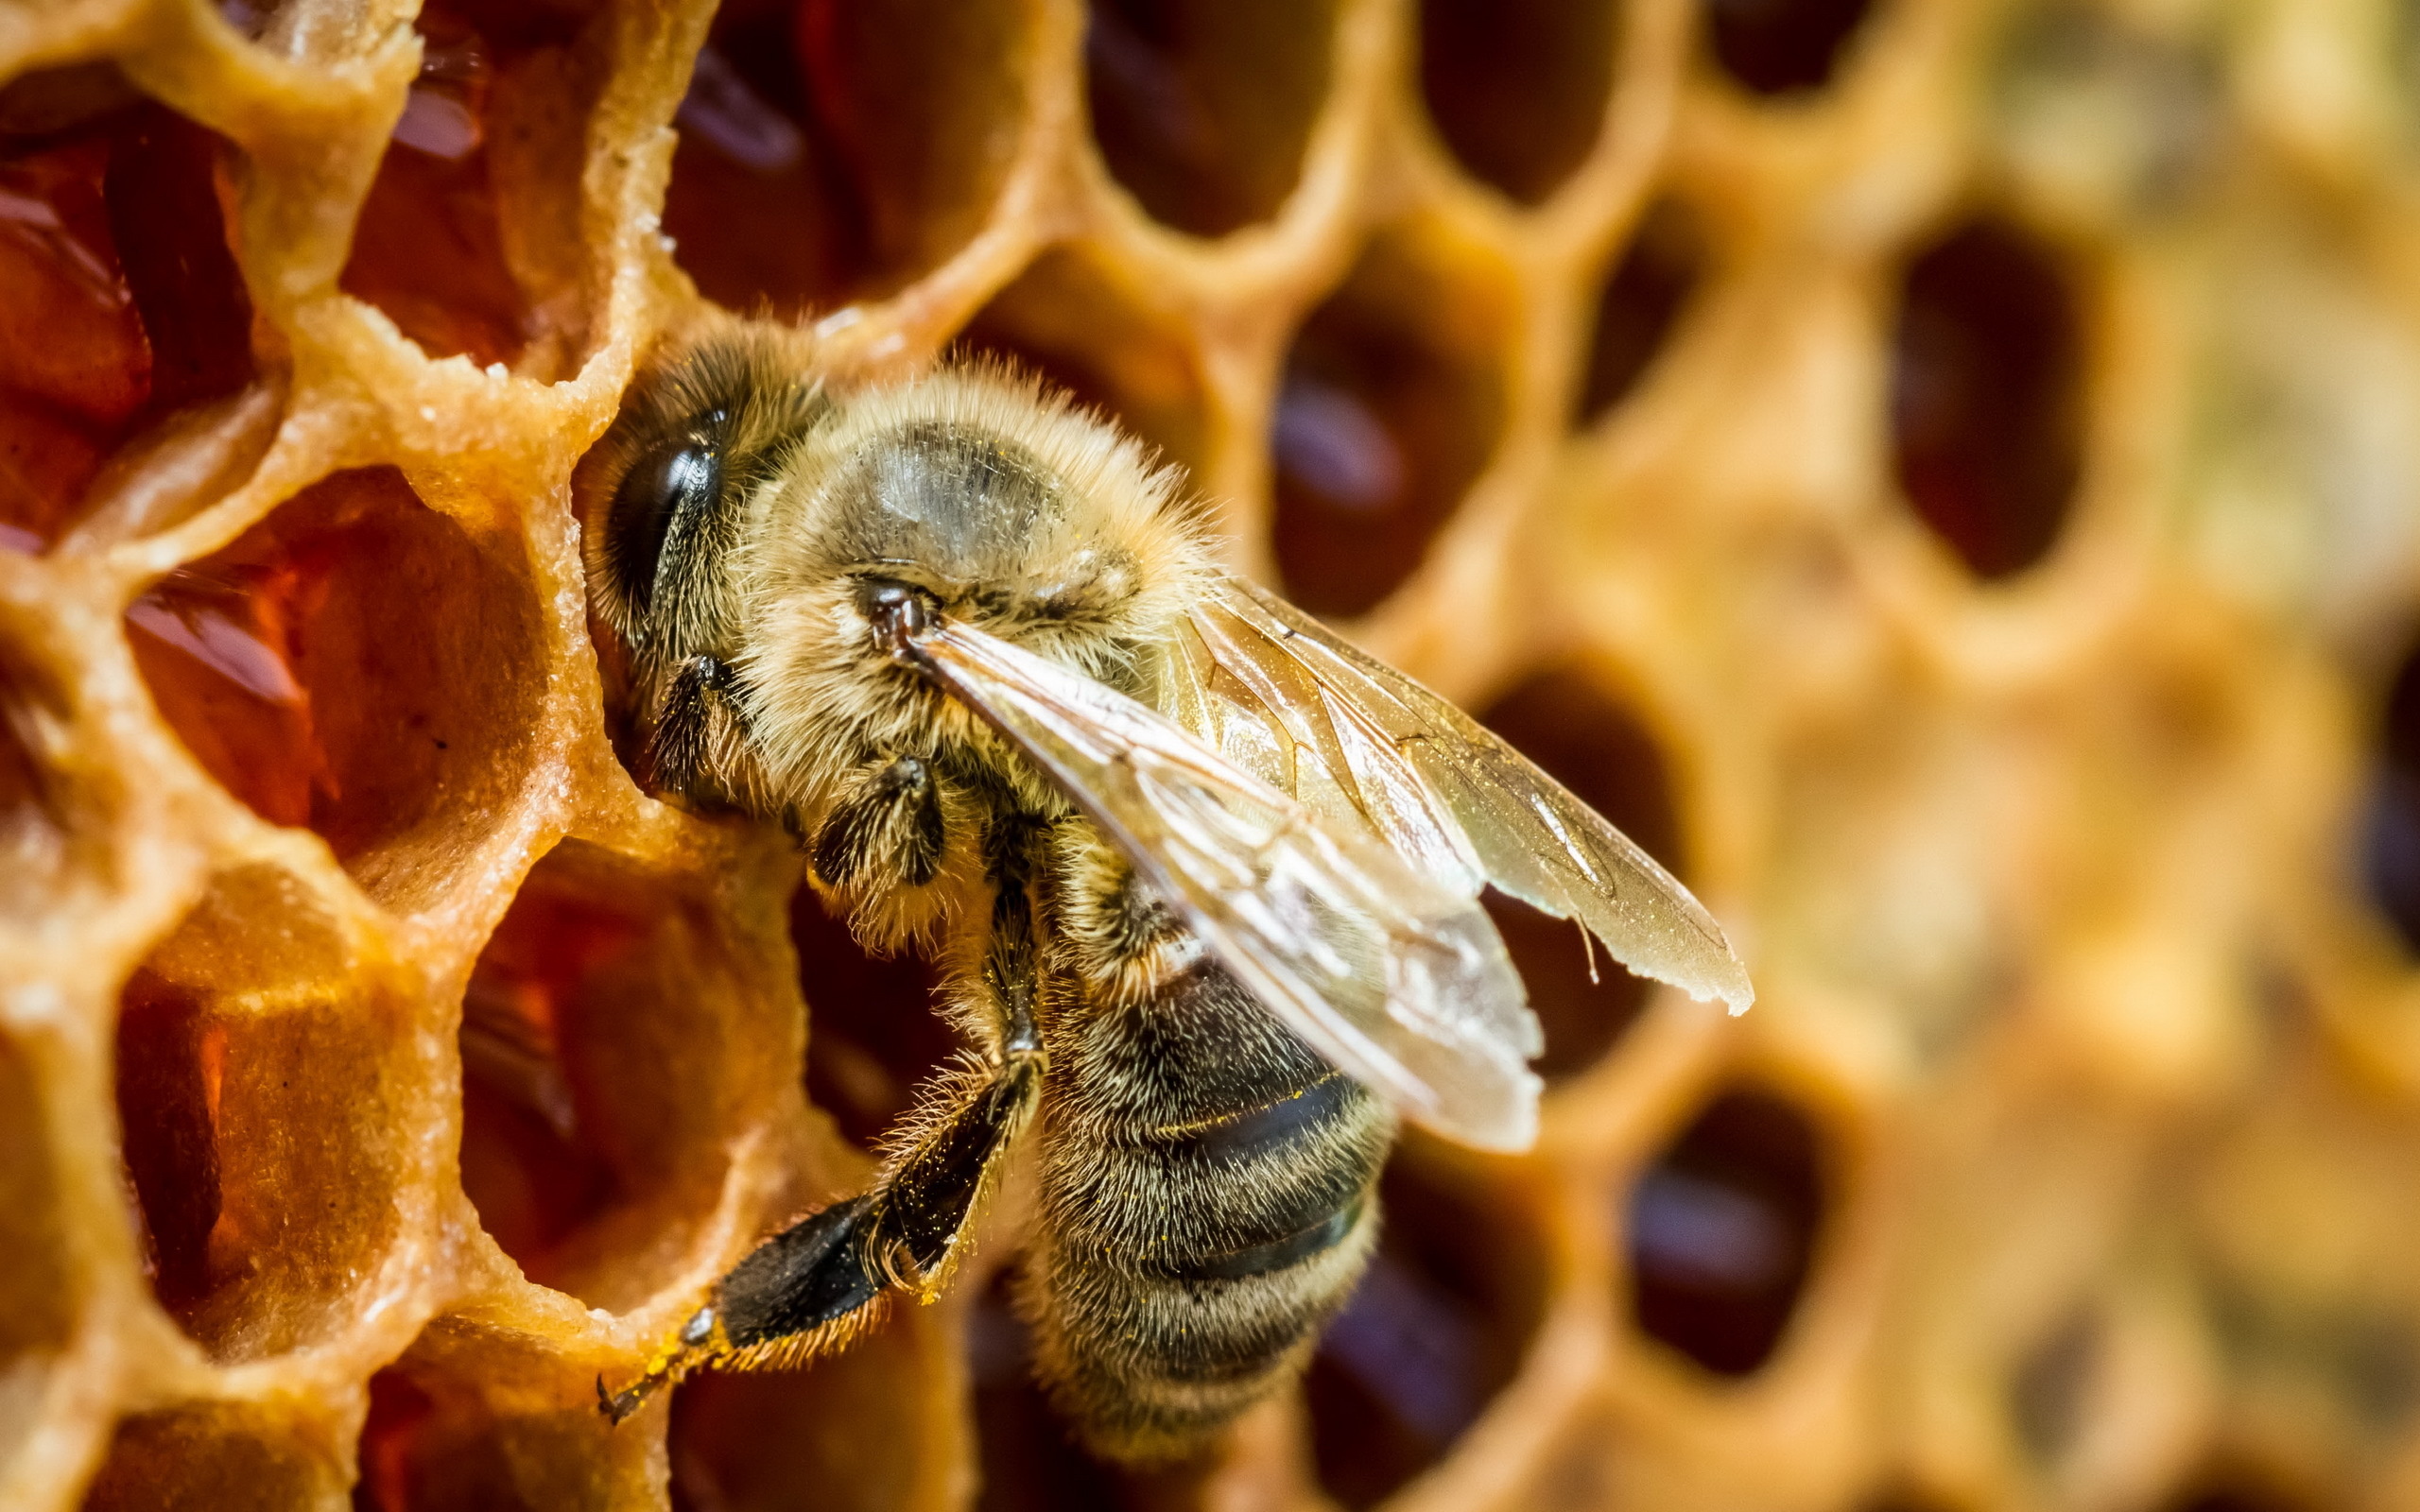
[(814, 1286), (679, 750), (889, 829)]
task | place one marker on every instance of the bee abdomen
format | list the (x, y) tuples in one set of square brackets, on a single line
[(1207, 1187)]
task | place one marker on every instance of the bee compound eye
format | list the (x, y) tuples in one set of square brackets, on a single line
[(676, 477)]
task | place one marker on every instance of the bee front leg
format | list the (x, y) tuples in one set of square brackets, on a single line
[(815, 1285), (680, 751)]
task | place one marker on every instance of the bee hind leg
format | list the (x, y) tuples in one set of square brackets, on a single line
[(815, 1285)]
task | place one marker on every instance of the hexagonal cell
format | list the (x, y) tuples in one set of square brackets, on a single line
[(1781, 46), (832, 150), (600, 1006), (2391, 842), (1390, 406), (38, 1295), (1437, 1328), (120, 303), (1201, 110), (267, 1136), (469, 237), (1068, 319), (357, 664), (1563, 719), (858, 1431), (205, 1459), (1722, 1228), (1642, 300), (471, 1419), (872, 1033), (1986, 394), (1518, 91)]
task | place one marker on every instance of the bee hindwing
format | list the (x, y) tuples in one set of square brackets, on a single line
[(1397, 978)]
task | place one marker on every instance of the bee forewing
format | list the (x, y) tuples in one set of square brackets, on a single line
[(1397, 979), (1434, 783)]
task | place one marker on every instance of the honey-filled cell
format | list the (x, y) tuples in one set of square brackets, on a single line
[(120, 301), (1201, 109), (1437, 1327), (265, 1149), (602, 1000), (1069, 323), (1986, 394), (357, 664), (831, 151), (1389, 408), (1722, 1228), (1563, 719), (1518, 91), (471, 227)]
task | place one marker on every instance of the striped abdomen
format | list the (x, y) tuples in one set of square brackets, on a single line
[(1207, 1203)]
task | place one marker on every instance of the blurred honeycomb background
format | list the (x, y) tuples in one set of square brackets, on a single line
[(1944, 475)]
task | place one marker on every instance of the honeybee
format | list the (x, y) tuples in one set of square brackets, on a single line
[(1203, 877)]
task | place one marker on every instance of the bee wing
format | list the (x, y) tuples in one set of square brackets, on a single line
[(1367, 746), (1400, 982)]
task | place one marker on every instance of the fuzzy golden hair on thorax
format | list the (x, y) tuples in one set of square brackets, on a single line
[(1022, 515)]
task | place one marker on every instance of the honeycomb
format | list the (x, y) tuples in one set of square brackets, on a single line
[(1944, 474)]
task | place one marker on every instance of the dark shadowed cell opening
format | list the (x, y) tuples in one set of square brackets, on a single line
[(1586, 740), (1201, 108), (1389, 409), (1986, 404), (1517, 90), (1721, 1229), (1781, 46), (873, 1030), (1640, 303), (120, 301), (2392, 844), (833, 149), (1438, 1327)]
